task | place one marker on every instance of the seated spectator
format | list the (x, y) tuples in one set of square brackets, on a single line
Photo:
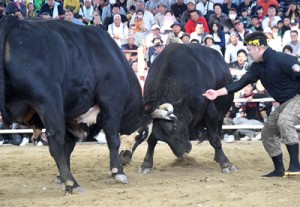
[(194, 41), (175, 35), (240, 65), (245, 18), (19, 14), (132, 10), (218, 35), (45, 15), (229, 23), (116, 9), (185, 38), (286, 25), (195, 19), (86, 11), (54, 9), (96, 21), (199, 33), (255, 26), (209, 42), (218, 16), (31, 11), (107, 10), (233, 47), (13, 138), (272, 19), (131, 46), (152, 6), (266, 4), (158, 49), (69, 16), (155, 32), (152, 50), (241, 31), (295, 43), (186, 15), (260, 14), (2, 10), (287, 49), (227, 5), (287, 35), (118, 30), (168, 20), (14, 5), (178, 9), (293, 11), (249, 5), (134, 66), (159, 16), (73, 5)]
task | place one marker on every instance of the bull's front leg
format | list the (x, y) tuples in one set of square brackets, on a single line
[(147, 164), (213, 130)]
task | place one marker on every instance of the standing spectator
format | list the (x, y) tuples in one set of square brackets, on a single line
[(118, 30), (69, 16), (86, 11), (178, 8), (272, 19), (146, 17), (54, 9), (175, 35), (152, 6), (254, 26), (217, 16), (279, 74), (31, 11), (206, 7), (74, 5), (266, 4), (218, 35), (295, 43), (191, 24), (228, 5), (232, 48), (199, 33), (186, 15), (12, 6)]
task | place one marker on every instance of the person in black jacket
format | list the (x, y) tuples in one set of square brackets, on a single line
[(279, 73)]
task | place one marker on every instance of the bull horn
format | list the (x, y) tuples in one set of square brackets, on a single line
[(163, 112)]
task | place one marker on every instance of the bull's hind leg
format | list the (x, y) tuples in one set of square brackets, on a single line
[(53, 118), (213, 130), (147, 165)]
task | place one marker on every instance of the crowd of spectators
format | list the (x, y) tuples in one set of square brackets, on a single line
[(153, 24)]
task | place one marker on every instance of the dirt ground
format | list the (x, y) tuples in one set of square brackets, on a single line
[(27, 178)]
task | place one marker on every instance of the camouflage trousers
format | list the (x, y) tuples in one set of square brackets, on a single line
[(280, 126)]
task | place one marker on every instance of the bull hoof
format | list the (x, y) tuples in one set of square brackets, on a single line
[(69, 188), (227, 169), (57, 179), (121, 178), (144, 170)]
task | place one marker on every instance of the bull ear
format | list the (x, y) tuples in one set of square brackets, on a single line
[(150, 106)]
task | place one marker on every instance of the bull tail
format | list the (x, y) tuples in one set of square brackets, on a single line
[(7, 23)]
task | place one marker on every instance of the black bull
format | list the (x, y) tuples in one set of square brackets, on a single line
[(180, 75), (61, 70)]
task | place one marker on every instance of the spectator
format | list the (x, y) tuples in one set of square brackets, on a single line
[(131, 3), (255, 26), (293, 11), (69, 16), (186, 15), (232, 48), (249, 5), (185, 38), (209, 42), (155, 32), (175, 36), (107, 10), (245, 18), (229, 23), (123, 4), (199, 33), (287, 49), (158, 49), (86, 11), (99, 5), (12, 6), (206, 7), (286, 25), (152, 6), (131, 46), (31, 11), (2, 10), (217, 16), (152, 50), (168, 20), (118, 30), (227, 5), (241, 65), (37, 5), (295, 43), (191, 24), (195, 41), (15, 139), (116, 9), (74, 5), (132, 10), (54, 9), (218, 35), (260, 14), (159, 16), (266, 5), (276, 41), (19, 14), (272, 19), (96, 20), (287, 35), (178, 8), (241, 31), (45, 15), (145, 19)]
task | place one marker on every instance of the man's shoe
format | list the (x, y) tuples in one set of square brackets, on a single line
[(24, 142), (279, 168), (230, 138), (294, 167), (274, 174), (1, 142)]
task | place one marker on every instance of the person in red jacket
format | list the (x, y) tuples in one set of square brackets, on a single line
[(195, 18), (266, 4)]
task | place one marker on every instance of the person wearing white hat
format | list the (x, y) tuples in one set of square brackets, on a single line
[(209, 42)]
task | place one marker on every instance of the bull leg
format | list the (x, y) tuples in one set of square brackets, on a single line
[(213, 130), (54, 123), (147, 165)]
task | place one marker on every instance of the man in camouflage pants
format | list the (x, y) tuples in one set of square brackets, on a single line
[(280, 75)]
